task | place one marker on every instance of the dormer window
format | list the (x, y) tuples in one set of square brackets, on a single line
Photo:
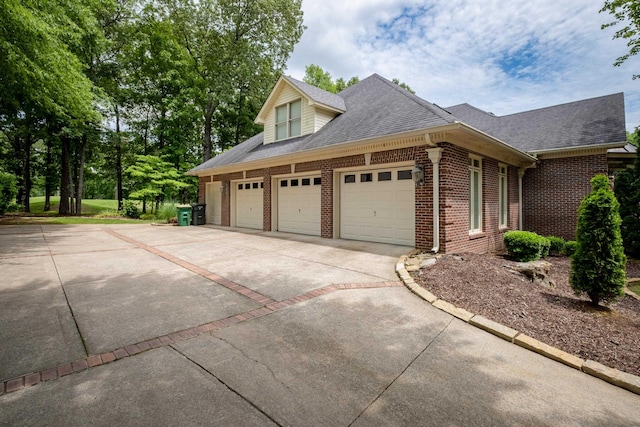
[(289, 120)]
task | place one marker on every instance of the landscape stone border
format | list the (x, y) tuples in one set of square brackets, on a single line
[(613, 376)]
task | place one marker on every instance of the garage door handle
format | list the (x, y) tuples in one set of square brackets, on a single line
[(374, 213), (298, 210)]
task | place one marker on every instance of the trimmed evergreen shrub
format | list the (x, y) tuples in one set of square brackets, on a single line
[(570, 248), (557, 244), (8, 191), (525, 246), (598, 265)]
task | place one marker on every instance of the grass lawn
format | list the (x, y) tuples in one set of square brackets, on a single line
[(89, 206), (634, 287), (93, 212)]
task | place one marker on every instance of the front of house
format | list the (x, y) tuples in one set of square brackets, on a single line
[(377, 163)]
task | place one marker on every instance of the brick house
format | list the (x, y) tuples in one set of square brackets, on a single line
[(371, 162)]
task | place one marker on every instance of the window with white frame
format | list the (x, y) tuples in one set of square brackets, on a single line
[(289, 120), (502, 194), (475, 194)]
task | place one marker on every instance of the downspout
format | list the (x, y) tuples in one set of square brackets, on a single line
[(435, 154), (520, 175)]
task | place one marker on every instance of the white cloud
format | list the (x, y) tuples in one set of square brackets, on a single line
[(503, 57)]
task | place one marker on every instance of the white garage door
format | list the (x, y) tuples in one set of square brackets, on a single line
[(213, 199), (249, 204), (378, 206), (299, 205)]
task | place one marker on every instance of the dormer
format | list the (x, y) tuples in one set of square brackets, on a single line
[(295, 109)]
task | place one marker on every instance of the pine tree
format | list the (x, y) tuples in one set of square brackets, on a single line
[(598, 265)]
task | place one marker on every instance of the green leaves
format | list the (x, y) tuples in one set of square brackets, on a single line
[(598, 265), (153, 177), (626, 13)]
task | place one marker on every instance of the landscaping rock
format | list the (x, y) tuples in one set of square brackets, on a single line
[(429, 262), (535, 271)]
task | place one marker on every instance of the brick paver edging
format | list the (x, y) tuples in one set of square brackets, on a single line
[(613, 376), (92, 361)]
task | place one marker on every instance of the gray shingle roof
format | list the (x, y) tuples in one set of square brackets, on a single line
[(318, 95), (582, 123), (374, 107)]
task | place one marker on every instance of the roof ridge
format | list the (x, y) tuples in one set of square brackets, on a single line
[(334, 100), (435, 109), (466, 104)]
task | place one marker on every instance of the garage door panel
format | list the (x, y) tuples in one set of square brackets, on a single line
[(378, 206), (249, 202), (299, 206)]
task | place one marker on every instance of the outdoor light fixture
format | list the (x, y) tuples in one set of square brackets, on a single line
[(418, 174)]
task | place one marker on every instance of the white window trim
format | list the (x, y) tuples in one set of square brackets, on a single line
[(503, 195), (288, 120), (473, 191)]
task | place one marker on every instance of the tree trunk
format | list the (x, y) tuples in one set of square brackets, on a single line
[(208, 119), (26, 172), (47, 178), (72, 171), (80, 174), (65, 184), (118, 160)]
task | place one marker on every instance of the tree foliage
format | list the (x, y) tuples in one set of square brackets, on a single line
[(153, 179), (627, 15), (88, 85), (317, 76), (598, 264), (627, 191)]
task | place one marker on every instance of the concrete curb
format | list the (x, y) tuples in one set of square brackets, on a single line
[(613, 376)]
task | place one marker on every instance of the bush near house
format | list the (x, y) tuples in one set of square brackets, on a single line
[(557, 245), (526, 246), (598, 265), (570, 248)]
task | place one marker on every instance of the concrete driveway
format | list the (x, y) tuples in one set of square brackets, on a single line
[(151, 325)]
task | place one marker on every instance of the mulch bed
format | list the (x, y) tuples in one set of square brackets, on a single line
[(481, 284)]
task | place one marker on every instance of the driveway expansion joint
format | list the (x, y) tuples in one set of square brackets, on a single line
[(613, 376)]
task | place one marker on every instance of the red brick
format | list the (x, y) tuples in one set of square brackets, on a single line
[(80, 365), (108, 357), (132, 349), (154, 343), (94, 361), (144, 346), (15, 384), (49, 374), (165, 340), (65, 370), (31, 379), (120, 353)]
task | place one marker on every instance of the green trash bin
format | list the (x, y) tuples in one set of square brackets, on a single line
[(184, 215)]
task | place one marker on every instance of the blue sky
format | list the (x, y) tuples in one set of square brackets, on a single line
[(500, 56)]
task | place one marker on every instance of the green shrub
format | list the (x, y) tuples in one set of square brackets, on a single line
[(8, 191), (598, 265), (557, 244), (627, 191), (130, 209), (526, 246), (570, 248), (167, 211)]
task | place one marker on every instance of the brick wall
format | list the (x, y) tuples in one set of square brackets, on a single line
[(553, 191), (454, 198)]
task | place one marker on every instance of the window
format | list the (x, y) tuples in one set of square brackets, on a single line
[(306, 181), (475, 194), (294, 182), (317, 181), (348, 179), (283, 183), (239, 186), (247, 186), (366, 177), (289, 120), (384, 176), (255, 185), (404, 175), (502, 195)]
